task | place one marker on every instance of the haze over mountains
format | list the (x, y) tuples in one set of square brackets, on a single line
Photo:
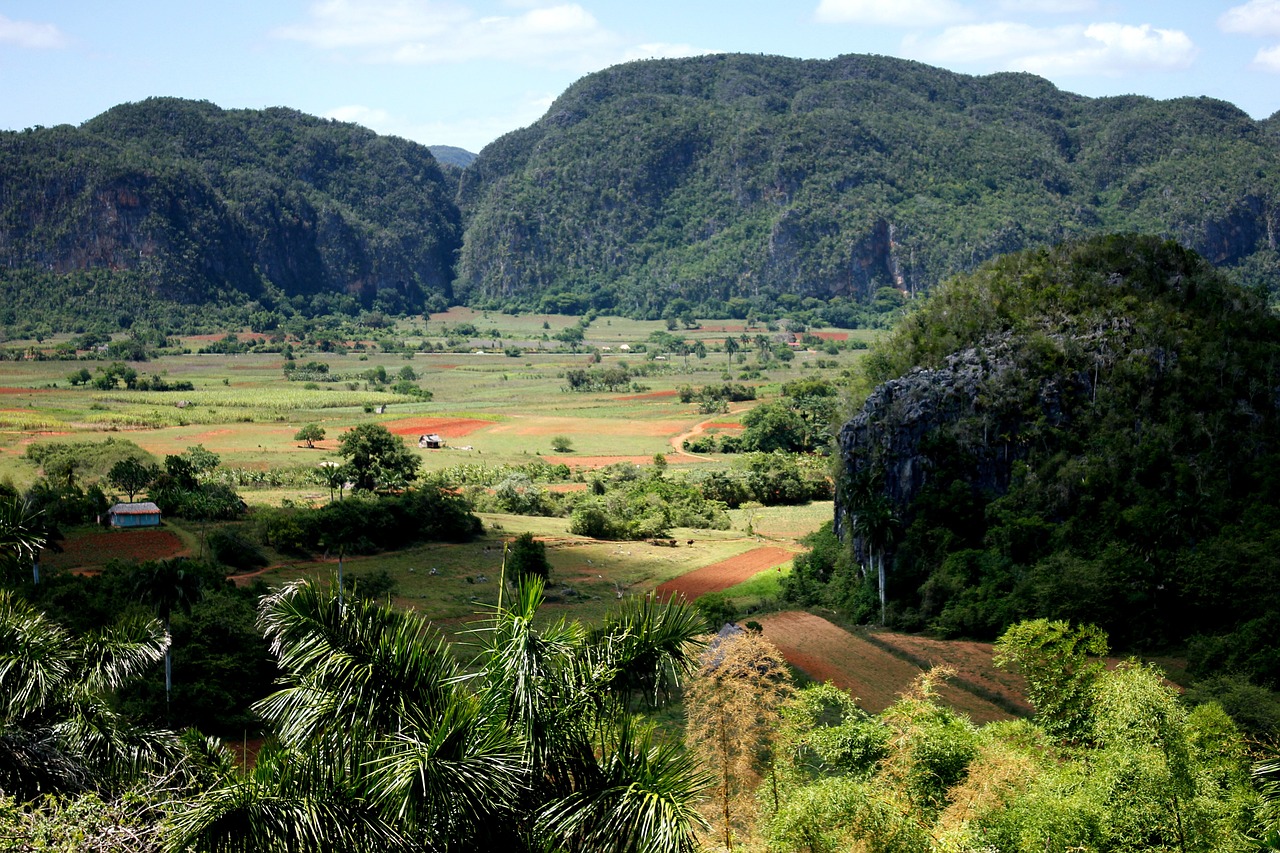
[(728, 181)]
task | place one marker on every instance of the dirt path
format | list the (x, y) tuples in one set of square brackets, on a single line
[(677, 441), (726, 573), (827, 652)]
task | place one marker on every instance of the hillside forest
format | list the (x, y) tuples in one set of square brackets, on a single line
[(968, 358)]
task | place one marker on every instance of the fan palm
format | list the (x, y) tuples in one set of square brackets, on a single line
[(168, 585), (58, 729)]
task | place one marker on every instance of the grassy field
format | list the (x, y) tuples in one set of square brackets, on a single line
[(243, 409)]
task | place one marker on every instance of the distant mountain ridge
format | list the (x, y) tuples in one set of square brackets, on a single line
[(729, 177), (728, 182), (195, 204)]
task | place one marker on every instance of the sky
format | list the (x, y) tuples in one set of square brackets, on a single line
[(464, 72)]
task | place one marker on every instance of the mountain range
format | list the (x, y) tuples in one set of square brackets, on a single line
[(731, 182)]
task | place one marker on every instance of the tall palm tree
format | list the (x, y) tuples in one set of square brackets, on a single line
[(168, 585), (59, 730), (22, 534)]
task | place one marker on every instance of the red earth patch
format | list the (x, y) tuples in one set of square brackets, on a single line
[(724, 574), (444, 427), (95, 549)]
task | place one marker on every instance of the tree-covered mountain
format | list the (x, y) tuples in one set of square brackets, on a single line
[(732, 177), (1091, 433), (183, 202)]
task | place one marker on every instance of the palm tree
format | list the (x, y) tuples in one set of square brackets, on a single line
[(59, 730), (22, 535), (382, 742), (876, 522), (167, 585)]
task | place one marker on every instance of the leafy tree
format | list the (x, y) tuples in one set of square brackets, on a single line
[(22, 535), (132, 475), (165, 586), (1061, 665), (383, 743), (59, 729), (310, 433), (376, 458), (561, 444), (526, 557)]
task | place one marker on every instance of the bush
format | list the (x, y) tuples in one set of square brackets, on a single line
[(231, 549), (527, 557)]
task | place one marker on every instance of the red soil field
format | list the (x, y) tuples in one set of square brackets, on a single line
[(444, 427), (725, 573), (724, 425), (831, 336), (95, 549), (827, 652), (27, 391)]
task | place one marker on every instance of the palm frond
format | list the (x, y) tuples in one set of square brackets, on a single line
[(645, 802), (36, 658)]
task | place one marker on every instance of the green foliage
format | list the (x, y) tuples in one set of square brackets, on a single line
[(730, 182), (365, 524), (265, 211), (526, 557), (644, 508), (377, 459), (561, 443), (1087, 440), (1061, 666), (310, 433)]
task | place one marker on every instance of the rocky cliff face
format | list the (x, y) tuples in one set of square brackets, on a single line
[(974, 416)]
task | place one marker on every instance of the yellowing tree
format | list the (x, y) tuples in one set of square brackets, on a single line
[(732, 705)]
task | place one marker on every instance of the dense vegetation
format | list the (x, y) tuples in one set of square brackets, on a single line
[(1088, 433), (832, 186), (167, 203), (720, 185)]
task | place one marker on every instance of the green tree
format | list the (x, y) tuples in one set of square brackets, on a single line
[(165, 586), (525, 557), (132, 475), (310, 433), (59, 727), (22, 535), (561, 443), (376, 458), (1061, 665)]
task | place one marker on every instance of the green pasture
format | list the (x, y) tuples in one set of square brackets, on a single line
[(244, 409)]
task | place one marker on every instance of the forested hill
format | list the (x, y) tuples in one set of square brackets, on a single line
[(190, 203), (735, 176)]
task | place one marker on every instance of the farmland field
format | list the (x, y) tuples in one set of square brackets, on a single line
[(498, 400)]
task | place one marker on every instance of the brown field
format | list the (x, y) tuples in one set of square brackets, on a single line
[(445, 427), (827, 652), (971, 660), (831, 336), (724, 574), (721, 425), (95, 549), (25, 390)]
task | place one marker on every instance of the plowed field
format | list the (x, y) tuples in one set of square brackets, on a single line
[(444, 427), (827, 652), (725, 573), (95, 549)]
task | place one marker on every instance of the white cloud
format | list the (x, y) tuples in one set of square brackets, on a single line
[(894, 13), (471, 133), (31, 34), (1103, 48), (428, 32), (1255, 18), (1268, 59)]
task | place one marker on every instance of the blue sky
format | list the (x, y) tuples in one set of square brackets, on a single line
[(463, 72)]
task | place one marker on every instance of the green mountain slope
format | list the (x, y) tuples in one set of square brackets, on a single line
[(185, 202), (734, 176), (1090, 433)]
